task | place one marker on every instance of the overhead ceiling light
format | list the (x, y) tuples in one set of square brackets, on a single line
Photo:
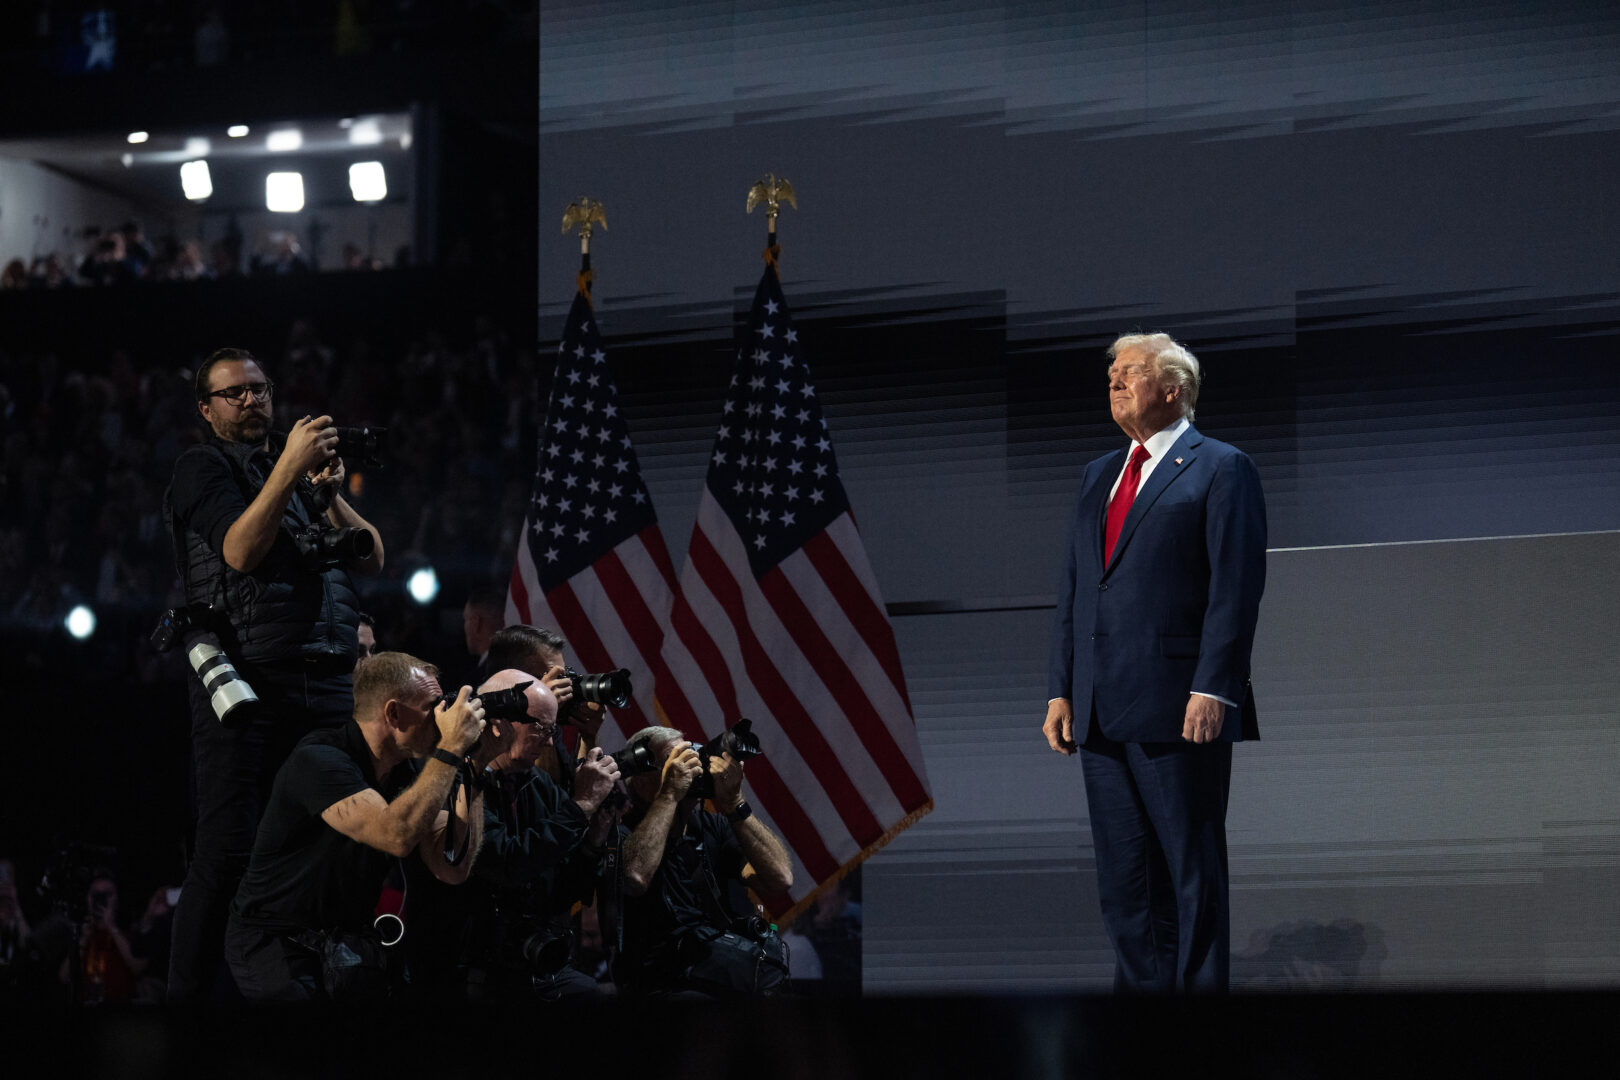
[(284, 192), (368, 182), (236, 131), (195, 180), (197, 147), (285, 139), (138, 136), (365, 132), (128, 159), (405, 141)]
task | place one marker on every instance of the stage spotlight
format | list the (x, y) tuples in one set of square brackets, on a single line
[(365, 132), (423, 585), (284, 192), (284, 140), (236, 131), (195, 180), (138, 136), (368, 181), (80, 622)]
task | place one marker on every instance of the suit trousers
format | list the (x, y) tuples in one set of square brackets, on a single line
[(1158, 826)]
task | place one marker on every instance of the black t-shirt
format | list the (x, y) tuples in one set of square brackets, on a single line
[(304, 874), (206, 496), (679, 899)]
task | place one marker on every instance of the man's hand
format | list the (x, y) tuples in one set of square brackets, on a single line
[(728, 777), (331, 476), (1204, 718), (561, 687), (587, 716), (680, 769), (311, 445), (460, 722), (1059, 726), (594, 780), (498, 739), (156, 908)]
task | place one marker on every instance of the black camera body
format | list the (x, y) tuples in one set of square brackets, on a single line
[(175, 623), (321, 546), (361, 447), (738, 740)]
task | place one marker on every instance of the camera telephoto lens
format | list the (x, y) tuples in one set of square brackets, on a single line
[(227, 690), (634, 760), (610, 688)]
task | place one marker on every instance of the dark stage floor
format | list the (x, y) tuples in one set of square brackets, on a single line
[(1361, 1035)]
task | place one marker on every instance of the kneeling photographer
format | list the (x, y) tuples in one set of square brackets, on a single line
[(679, 865), (542, 843), (264, 544), (344, 807)]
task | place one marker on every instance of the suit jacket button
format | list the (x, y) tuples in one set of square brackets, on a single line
[(1102, 588)]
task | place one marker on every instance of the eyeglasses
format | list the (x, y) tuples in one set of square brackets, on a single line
[(238, 395)]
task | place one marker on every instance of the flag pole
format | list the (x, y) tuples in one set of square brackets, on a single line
[(586, 213), (772, 191)]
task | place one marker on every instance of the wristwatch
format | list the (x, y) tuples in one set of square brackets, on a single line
[(447, 757), (742, 813)]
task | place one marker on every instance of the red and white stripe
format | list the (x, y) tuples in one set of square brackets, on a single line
[(613, 614), (806, 652)]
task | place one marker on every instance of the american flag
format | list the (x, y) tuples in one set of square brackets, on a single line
[(778, 618), (592, 563)]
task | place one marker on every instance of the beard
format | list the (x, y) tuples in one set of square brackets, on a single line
[(251, 427)]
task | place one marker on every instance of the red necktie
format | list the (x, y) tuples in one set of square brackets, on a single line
[(1120, 505)]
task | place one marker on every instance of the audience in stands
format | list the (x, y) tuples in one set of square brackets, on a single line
[(85, 454)]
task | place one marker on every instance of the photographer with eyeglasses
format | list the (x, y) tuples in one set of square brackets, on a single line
[(264, 544)]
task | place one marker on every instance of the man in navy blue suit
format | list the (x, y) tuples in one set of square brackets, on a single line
[(1156, 608)]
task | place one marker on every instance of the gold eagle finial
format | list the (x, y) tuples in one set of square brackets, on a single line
[(586, 213), (772, 191)]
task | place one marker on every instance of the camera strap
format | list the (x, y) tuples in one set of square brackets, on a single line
[(390, 917), (453, 852), (609, 909), (721, 912)]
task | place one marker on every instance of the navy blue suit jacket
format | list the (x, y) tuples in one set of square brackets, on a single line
[(1175, 610)]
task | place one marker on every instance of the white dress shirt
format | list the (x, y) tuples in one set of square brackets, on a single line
[(1157, 445)]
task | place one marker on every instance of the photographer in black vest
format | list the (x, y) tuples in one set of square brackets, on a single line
[(264, 544)]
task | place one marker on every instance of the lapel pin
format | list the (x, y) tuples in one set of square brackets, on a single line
[(1178, 461)]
